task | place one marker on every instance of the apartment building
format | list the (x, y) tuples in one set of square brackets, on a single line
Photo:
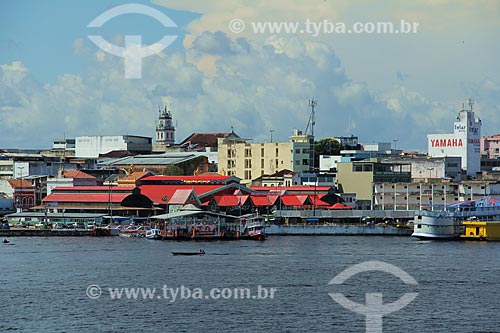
[(241, 158)]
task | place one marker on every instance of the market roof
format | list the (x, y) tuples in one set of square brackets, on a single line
[(205, 139), (154, 159)]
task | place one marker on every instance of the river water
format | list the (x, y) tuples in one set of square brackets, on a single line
[(46, 284)]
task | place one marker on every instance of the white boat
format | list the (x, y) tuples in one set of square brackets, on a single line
[(153, 234), (254, 228), (133, 231), (446, 223)]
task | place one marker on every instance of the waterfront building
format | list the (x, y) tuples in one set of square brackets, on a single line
[(113, 200), (425, 167), (93, 146), (358, 177), (430, 194), (20, 191), (239, 157), (464, 142)]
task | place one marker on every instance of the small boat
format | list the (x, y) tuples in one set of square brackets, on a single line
[(133, 231), (5, 241), (153, 234), (200, 252)]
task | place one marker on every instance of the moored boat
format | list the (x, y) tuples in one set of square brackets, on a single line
[(153, 234), (446, 223), (254, 228), (133, 231), (482, 231)]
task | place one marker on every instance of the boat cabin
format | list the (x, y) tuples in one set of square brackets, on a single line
[(480, 230)]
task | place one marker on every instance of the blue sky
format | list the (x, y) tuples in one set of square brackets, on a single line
[(55, 82)]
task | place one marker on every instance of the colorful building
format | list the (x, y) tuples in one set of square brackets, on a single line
[(490, 146)]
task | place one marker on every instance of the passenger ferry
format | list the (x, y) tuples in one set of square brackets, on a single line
[(446, 223)]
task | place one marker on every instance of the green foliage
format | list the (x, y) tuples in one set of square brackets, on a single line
[(326, 146), (173, 170)]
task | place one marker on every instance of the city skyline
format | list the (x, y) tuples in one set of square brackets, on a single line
[(55, 82)]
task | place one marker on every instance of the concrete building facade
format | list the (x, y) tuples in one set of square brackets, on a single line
[(490, 146), (92, 146), (424, 168), (241, 158), (464, 142), (359, 177)]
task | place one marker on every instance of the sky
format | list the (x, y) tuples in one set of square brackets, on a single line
[(217, 74)]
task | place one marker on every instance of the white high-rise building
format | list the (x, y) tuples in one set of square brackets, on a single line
[(464, 142)]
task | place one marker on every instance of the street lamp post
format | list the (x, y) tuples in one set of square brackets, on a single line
[(432, 187), (395, 143)]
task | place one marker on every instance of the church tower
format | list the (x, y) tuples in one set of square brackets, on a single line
[(165, 131)]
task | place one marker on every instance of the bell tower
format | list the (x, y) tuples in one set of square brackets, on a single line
[(165, 131)]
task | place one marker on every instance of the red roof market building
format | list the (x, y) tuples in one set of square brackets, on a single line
[(119, 200), (154, 194)]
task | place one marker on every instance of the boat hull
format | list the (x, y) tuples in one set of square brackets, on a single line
[(188, 253)]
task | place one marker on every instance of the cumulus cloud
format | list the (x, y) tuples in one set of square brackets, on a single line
[(253, 83)]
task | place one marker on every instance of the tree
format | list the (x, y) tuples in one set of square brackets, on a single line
[(172, 170), (326, 146)]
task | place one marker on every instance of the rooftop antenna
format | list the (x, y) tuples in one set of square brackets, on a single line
[(350, 131), (312, 120), (470, 101), (271, 131)]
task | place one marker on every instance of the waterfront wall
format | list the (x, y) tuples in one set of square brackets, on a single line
[(341, 230), (346, 214), (44, 232)]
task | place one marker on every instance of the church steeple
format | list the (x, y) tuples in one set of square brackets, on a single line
[(165, 131)]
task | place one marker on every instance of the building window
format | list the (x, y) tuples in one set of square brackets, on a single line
[(305, 162), (261, 152), (262, 163), (297, 151), (277, 152), (297, 162)]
